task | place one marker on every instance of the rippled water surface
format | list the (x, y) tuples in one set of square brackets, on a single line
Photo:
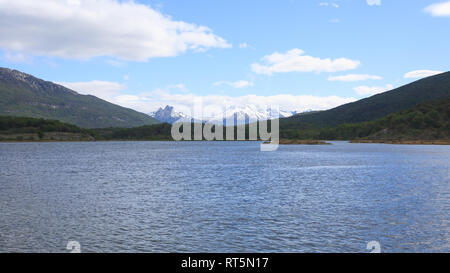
[(223, 197)]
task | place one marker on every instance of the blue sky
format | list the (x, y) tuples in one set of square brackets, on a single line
[(289, 52)]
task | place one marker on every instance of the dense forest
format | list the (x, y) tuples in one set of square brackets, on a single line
[(34, 125), (149, 132), (24, 128)]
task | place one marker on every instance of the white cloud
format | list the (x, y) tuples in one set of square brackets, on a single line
[(243, 45), (329, 4), (354, 78), (116, 63), (295, 61), (237, 84), (82, 29), (178, 87), (17, 58), (373, 2), (372, 90), (439, 9), (421, 74), (101, 89)]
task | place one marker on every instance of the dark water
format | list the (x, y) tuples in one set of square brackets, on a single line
[(223, 197)]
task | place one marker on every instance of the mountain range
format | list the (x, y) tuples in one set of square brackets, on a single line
[(240, 114), (24, 95), (380, 115)]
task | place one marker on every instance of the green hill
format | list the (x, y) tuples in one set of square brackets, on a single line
[(427, 121), (424, 90), (24, 95)]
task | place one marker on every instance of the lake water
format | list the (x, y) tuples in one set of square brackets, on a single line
[(223, 197)]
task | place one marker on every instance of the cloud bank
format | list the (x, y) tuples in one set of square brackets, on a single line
[(82, 29), (151, 101)]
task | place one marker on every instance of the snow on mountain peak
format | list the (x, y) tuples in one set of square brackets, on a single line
[(242, 114), (168, 115)]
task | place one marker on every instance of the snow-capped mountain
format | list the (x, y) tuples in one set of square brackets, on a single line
[(240, 114), (168, 115), (248, 113)]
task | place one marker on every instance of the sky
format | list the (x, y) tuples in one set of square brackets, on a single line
[(296, 54)]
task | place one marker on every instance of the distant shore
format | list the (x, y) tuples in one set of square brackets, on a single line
[(46, 137), (68, 138), (302, 142), (406, 142)]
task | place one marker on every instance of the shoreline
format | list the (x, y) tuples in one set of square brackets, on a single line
[(302, 142), (404, 142), (282, 141)]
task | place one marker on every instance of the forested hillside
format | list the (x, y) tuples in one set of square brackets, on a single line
[(26, 96), (428, 121), (429, 89)]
